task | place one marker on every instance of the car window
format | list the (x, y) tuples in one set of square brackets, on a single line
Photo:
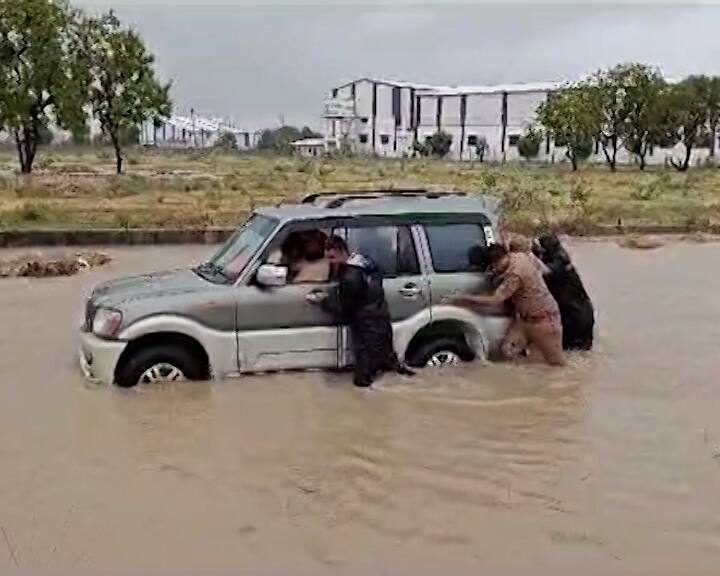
[(391, 248), (451, 246), (302, 251), (232, 258)]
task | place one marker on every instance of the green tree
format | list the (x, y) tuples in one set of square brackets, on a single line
[(439, 144), (226, 141), (684, 117), (529, 143), (644, 94), (609, 89), (308, 132), (572, 118), (709, 92), (122, 90), (37, 86), (622, 92), (280, 139), (45, 136), (80, 135)]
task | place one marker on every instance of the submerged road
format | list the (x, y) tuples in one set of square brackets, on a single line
[(609, 466)]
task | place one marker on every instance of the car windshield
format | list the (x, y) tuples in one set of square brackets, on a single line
[(227, 264)]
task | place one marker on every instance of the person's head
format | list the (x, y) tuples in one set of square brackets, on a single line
[(293, 248), (336, 250), (518, 243), (499, 258), (314, 245), (549, 243), (478, 258)]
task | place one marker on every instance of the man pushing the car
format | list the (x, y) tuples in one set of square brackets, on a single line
[(359, 301), (537, 317)]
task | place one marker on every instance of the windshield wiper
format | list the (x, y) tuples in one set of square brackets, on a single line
[(214, 269)]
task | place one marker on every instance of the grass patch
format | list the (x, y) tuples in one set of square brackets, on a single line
[(78, 189)]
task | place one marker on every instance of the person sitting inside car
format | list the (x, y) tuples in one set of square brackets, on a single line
[(312, 267), (303, 253)]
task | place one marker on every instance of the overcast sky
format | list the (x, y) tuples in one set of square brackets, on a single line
[(253, 63)]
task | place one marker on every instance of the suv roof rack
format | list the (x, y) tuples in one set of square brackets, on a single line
[(340, 198)]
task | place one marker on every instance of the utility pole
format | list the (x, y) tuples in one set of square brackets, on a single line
[(194, 132)]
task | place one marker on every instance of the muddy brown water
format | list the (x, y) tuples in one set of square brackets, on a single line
[(609, 466)]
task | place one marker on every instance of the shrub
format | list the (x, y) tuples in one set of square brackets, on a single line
[(439, 144), (226, 141), (529, 144)]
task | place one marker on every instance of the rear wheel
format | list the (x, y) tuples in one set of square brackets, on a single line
[(440, 353), (157, 364)]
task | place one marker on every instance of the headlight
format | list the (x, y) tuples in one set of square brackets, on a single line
[(107, 322)]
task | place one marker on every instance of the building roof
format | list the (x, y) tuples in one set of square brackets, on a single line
[(309, 142), (525, 88), (200, 124), (438, 90), (386, 82)]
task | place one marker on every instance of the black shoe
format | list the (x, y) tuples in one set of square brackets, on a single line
[(362, 382), (405, 371)]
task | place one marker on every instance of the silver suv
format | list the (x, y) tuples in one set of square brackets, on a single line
[(241, 312)]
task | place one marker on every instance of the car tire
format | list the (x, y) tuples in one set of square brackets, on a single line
[(438, 352), (163, 358)]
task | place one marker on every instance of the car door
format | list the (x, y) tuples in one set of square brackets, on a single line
[(278, 329), (449, 245), (394, 249)]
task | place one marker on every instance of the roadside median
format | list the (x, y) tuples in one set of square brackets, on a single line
[(32, 238), (112, 237)]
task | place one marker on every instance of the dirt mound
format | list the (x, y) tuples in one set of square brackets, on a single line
[(701, 238), (637, 242), (40, 266)]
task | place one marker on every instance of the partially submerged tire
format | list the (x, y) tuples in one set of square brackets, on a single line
[(159, 363), (440, 352)]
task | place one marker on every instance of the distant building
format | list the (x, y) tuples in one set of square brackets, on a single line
[(310, 147), (388, 118), (192, 132)]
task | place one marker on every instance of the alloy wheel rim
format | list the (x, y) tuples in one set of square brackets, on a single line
[(162, 372), (443, 358)]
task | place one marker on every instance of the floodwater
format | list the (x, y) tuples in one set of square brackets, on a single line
[(609, 466)]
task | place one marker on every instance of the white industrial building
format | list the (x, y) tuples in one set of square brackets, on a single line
[(192, 132), (386, 118)]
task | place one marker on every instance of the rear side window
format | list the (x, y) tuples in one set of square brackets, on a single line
[(450, 245), (391, 248)]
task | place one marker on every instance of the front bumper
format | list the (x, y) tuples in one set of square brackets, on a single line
[(99, 358)]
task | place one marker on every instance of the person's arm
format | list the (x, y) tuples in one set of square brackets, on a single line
[(477, 300), (331, 302), (341, 300), (504, 292)]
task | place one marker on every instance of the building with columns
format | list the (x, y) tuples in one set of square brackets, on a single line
[(386, 118)]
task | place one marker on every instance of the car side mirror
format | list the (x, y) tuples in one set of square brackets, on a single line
[(271, 275)]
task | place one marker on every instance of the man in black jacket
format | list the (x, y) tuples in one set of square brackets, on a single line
[(359, 301), (563, 281)]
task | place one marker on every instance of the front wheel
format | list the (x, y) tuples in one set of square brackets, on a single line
[(157, 364), (440, 353)]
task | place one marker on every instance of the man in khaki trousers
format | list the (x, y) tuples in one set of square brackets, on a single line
[(537, 317)]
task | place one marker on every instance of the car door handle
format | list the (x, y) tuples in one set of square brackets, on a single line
[(409, 291)]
